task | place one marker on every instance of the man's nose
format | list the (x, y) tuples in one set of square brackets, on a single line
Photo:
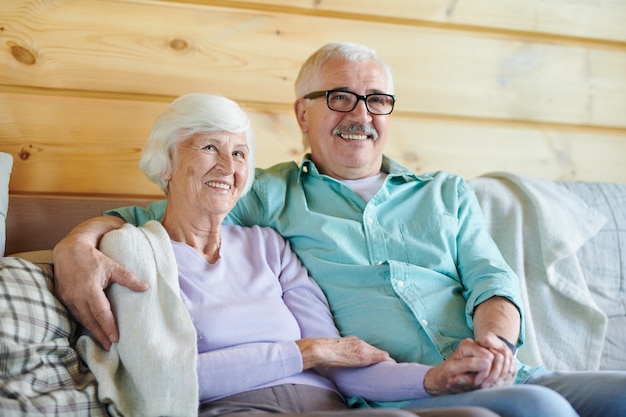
[(361, 109)]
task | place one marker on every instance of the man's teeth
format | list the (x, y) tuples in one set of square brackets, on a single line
[(218, 185), (353, 136)]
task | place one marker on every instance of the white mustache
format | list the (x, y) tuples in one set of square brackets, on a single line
[(357, 128)]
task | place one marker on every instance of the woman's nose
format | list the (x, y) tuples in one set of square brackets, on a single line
[(226, 163)]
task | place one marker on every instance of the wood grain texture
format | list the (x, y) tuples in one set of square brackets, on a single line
[(533, 87), (592, 19), (92, 145), (255, 55)]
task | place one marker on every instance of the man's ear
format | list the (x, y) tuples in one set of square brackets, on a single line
[(300, 108)]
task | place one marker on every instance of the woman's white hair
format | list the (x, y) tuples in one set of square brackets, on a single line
[(309, 78), (186, 116)]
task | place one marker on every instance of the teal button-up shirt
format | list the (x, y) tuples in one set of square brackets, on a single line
[(404, 271)]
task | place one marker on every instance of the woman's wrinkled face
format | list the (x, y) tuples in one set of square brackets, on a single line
[(209, 171)]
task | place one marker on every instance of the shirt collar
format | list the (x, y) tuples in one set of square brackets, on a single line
[(392, 168)]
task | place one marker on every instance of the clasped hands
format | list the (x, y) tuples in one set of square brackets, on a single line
[(475, 364)]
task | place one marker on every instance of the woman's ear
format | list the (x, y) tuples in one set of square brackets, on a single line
[(301, 110)]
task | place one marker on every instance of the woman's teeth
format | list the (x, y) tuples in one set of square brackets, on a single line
[(218, 185)]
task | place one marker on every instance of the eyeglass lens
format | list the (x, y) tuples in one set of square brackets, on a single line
[(346, 101)]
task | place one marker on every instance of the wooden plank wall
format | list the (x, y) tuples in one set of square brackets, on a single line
[(536, 87)]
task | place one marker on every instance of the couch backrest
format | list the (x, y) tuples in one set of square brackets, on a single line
[(36, 222)]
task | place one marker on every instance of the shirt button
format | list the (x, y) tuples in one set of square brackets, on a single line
[(401, 284), (425, 322), (370, 220), (379, 263)]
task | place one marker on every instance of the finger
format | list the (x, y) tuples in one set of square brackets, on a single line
[(478, 367), (103, 319), (462, 383), (497, 372), (471, 348), (99, 334), (124, 277), (84, 313), (352, 351), (471, 357)]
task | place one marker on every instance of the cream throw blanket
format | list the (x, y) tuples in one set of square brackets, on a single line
[(152, 370), (539, 226)]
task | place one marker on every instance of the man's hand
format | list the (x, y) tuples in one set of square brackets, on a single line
[(473, 365), (497, 317), (82, 273), (462, 371), (344, 352), (503, 367)]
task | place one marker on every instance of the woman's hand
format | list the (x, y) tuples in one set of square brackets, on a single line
[(345, 352)]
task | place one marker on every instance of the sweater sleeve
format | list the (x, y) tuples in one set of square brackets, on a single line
[(384, 381), (239, 368)]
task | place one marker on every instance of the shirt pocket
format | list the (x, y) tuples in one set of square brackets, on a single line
[(430, 242)]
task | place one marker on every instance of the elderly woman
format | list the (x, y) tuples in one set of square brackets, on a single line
[(233, 303)]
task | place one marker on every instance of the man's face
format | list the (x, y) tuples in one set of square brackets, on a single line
[(344, 145)]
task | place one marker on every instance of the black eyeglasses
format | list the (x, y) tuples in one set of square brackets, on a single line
[(346, 101)]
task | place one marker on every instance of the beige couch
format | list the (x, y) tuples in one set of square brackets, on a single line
[(566, 240)]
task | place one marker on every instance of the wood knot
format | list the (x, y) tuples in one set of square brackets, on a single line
[(22, 54), (178, 44), (27, 151)]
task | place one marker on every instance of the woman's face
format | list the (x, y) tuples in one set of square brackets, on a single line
[(209, 172)]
